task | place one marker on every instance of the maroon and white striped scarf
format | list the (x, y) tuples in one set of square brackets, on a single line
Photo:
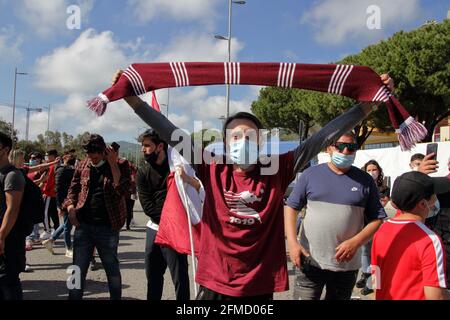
[(358, 82)]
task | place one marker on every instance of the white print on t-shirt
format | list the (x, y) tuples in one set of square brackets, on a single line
[(354, 189), (375, 282), (239, 205)]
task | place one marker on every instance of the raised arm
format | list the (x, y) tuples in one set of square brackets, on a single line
[(334, 129), (43, 166), (329, 134), (159, 123)]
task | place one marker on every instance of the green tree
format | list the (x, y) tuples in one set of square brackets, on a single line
[(205, 137), (6, 127), (283, 108), (29, 147), (419, 63)]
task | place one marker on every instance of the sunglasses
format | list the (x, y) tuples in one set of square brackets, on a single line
[(352, 147)]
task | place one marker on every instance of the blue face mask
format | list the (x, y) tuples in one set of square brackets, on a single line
[(342, 161), (434, 210), (33, 163), (244, 153)]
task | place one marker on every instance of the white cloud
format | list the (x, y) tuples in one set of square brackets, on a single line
[(65, 71), (10, 43), (198, 105), (49, 17), (199, 47), (197, 10), (85, 66), (337, 21)]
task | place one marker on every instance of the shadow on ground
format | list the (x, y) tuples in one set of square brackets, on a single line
[(39, 289)]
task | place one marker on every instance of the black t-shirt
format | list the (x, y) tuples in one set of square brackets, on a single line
[(94, 211), (151, 182)]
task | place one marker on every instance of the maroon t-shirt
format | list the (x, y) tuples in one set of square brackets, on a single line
[(243, 250)]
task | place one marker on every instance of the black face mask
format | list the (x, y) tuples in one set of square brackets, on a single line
[(151, 158)]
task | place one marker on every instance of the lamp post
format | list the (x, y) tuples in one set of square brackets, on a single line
[(167, 105), (48, 127), (230, 4), (14, 99)]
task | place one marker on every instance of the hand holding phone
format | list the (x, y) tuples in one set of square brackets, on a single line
[(432, 148), (115, 146)]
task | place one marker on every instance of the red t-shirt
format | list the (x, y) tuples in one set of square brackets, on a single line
[(406, 256), (49, 187), (243, 250)]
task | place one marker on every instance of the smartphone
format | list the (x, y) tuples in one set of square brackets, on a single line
[(432, 148), (115, 146)]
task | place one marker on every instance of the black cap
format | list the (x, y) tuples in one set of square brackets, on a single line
[(411, 187)]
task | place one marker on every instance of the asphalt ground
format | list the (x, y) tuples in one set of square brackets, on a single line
[(48, 278)]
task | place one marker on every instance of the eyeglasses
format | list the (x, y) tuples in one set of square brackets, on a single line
[(352, 147)]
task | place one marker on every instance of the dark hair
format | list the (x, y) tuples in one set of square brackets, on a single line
[(241, 115), (6, 141), (52, 152), (94, 143), (380, 176), (37, 155), (385, 192), (417, 156), (152, 135), (71, 161), (350, 134)]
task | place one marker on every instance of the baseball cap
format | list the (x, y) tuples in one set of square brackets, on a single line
[(411, 187)]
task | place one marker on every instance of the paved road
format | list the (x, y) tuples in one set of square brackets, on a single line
[(47, 281)]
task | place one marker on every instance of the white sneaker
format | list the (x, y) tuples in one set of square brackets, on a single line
[(48, 245), (28, 268), (69, 253), (45, 235)]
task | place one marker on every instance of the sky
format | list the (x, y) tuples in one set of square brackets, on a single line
[(66, 66)]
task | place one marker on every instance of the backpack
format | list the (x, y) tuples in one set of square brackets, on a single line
[(32, 208)]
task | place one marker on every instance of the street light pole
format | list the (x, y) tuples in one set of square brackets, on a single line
[(14, 99), (230, 3), (48, 128), (168, 94)]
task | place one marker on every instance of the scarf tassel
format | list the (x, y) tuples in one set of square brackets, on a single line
[(408, 130), (98, 104)]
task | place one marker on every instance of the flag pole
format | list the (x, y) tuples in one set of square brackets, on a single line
[(191, 236)]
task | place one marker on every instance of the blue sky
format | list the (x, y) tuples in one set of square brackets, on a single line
[(66, 67)]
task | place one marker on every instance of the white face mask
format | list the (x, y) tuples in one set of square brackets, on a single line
[(434, 210), (244, 153), (374, 175), (99, 164)]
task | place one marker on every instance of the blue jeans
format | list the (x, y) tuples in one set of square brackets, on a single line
[(365, 257), (86, 238), (34, 234), (66, 227)]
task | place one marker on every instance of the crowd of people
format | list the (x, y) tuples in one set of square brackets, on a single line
[(246, 221)]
